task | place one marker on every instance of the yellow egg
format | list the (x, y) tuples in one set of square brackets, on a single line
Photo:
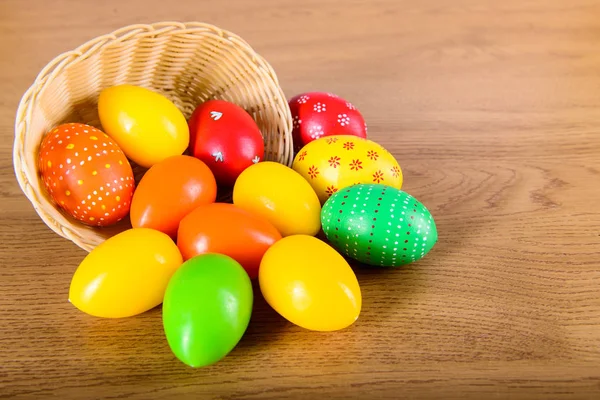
[(332, 163), (146, 125), (125, 275), (310, 284), (280, 195)]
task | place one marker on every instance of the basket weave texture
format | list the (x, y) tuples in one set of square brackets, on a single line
[(189, 63)]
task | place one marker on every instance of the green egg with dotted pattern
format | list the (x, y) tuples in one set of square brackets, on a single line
[(378, 225)]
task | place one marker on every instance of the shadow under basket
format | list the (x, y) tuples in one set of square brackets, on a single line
[(189, 63)]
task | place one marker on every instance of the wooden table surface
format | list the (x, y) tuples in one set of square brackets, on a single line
[(492, 109)]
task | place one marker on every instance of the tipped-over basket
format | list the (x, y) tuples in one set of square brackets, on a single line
[(187, 62)]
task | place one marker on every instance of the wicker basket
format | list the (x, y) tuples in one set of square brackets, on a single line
[(188, 63)]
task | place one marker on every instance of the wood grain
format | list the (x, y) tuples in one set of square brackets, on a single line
[(493, 111)]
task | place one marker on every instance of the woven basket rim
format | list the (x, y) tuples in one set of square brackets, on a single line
[(80, 54)]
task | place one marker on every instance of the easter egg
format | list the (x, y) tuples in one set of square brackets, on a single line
[(318, 114), (226, 138), (281, 195), (378, 225), (310, 284), (145, 124), (86, 174), (169, 191), (332, 163), (206, 309), (125, 275), (227, 229)]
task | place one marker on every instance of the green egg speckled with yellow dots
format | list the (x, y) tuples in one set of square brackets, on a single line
[(378, 225)]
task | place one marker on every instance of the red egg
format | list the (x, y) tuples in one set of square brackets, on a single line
[(318, 114), (86, 174), (226, 138)]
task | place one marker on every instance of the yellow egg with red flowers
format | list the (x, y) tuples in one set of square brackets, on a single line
[(332, 163)]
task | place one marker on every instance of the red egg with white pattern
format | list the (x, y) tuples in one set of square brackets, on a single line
[(226, 138), (319, 114)]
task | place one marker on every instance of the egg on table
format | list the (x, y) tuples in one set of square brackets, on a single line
[(378, 225), (310, 284), (332, 163), (206, 309), (319, 114), (86, 174), (227, 229), (144, 123), (126, 274)]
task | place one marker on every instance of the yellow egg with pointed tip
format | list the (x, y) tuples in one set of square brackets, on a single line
[(310, 284), (146, 125), (125, 275), (280, 195)]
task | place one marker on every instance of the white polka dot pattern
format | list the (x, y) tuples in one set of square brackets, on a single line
[(72, 175), (381, 236)]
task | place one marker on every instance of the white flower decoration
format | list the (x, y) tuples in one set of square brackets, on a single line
[(303, 99), (350, 106), (320, 107), (297, 122), (366, 129), (315, 131), (332, 95), (343, 119)]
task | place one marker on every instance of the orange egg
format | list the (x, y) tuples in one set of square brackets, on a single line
[(169, 191), (227, 229), (86, 174)]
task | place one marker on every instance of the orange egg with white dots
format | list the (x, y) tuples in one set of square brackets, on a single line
[(86, 174)]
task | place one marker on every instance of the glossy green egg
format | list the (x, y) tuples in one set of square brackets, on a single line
[(207, 308), (378, 225)]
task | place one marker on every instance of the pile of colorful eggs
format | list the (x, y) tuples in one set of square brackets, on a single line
[(198, 256)]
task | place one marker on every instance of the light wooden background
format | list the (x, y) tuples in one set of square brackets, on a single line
[(492, 109)]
